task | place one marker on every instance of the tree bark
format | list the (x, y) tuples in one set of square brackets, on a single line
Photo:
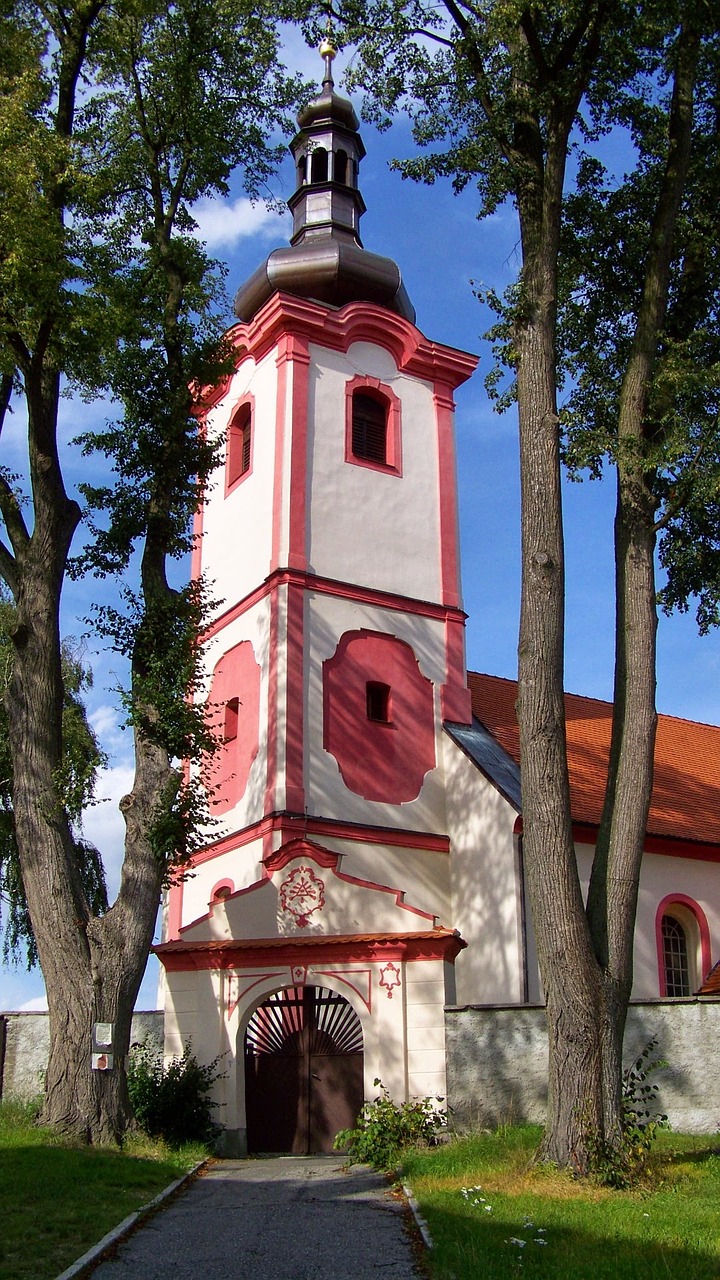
[(614, 884)]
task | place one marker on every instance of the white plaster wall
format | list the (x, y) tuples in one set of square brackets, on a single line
[(660, 876), (327, 619), (421, 875), (486, 888), (424, 1004), (367, 526), (243, 866), (237, 530)]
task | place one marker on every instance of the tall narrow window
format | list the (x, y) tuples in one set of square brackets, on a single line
[(675, 957), (230, 726), (239, 447), (319, 165), (369, 427), (340, 166), (377, 697)]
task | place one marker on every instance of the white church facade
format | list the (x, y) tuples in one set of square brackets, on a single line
[(365, 867)]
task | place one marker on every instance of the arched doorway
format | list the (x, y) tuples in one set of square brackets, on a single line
[(303, 1070)]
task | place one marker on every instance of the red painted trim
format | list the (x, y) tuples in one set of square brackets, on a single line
[(198, 521), (338, 976), (447, 483), (298, 847), (222, 884), (232, 443), (455, 697), (291, 826), (173, 922), (665, 846), (312, 950), (235, 685), (299, 355), (356, 322), (383, 762), (277, 557), (393, 466), (665, 908), (272, 709), (328, 858), (335, 588), (295, 702)]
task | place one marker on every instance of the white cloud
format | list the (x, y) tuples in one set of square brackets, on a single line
[(222, 223), (38, 1005)]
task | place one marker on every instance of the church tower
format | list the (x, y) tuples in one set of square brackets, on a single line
[(314, 941)]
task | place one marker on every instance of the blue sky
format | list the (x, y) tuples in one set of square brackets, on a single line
[(441, 248)]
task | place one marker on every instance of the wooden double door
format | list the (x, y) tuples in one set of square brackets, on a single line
[(303, 1070)]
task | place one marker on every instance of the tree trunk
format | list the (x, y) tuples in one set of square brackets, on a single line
[(614, 884), (573, 987)]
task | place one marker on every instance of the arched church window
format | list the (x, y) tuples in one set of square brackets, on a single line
[(340, 166), (239, 445), (302, 171), (319, 165), (373, 425), (676, 960), (369, 427), (377, 701)]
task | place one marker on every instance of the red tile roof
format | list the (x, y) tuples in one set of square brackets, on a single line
[(686, 793), (711, 985)]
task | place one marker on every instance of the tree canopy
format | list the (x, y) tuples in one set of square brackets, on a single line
[(609, 337), (117, 116)]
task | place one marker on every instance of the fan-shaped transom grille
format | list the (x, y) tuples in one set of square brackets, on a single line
[(302, 1019)]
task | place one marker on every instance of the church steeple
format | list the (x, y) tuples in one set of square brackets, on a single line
[(327, 153), (326, 260)]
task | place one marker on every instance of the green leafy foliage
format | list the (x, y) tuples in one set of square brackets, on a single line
[(622, 1165), (385, 1129), (173, 1101)]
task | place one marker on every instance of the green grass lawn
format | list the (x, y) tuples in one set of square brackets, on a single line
[(56, 1199), (482, 1196)]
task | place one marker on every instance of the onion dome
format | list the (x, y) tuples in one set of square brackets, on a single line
[(326, 260)]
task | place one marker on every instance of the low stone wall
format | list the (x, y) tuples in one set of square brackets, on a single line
[(497, 1062), (25, 1045)]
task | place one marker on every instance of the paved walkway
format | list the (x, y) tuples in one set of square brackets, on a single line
[(280, 1218)]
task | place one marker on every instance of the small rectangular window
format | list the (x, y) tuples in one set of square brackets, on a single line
[(378, 701), (230, 726)]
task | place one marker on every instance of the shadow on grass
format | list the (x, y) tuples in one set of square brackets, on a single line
[(466, 1248), (56, 1201)]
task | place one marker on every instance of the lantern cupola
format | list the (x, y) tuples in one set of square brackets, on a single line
[(326, 259)]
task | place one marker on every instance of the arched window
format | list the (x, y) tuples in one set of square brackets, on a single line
[(675, 957), (683, 945), (369, 427), (340, 166), (302, 171), (239, 445), (319, 165), (372, 425)]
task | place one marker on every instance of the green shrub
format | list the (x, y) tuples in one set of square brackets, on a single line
[(621, 1166), (173, 1102), (384, 1129)]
